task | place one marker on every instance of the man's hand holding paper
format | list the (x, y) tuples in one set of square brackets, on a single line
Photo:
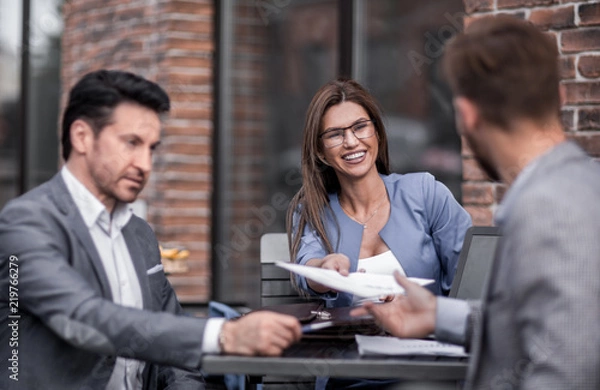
[(409, 316)]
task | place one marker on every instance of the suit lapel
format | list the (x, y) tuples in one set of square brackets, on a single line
[(137, 258), (65, 204)]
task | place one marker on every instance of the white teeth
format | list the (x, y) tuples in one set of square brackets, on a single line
[(354, 155)]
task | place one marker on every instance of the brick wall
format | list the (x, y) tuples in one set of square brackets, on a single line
[(576, 25), (170, 42)]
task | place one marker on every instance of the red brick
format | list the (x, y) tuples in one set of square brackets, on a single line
[(524, 3), (589, 14), (589, 66), (192, 26), (179, 95), (582, 92), (183, 185), (516, 14), (568, 119), (580, 40), (589, 119), (188, 7), (481, 215), (472, 171), (554, 18), (478, 5), (190, 129), (567, 67), (188, 61), (191, 113), (193, 45), (500, 190), (477, 193)]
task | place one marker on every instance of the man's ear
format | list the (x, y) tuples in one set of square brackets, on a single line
[(81, 136), (467, 114)]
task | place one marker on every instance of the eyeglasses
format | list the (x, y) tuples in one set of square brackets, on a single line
[(335, 137)]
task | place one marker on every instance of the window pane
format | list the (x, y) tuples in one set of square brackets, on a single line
[(44, 90), (277, 54), (400, 47), (10, 94)]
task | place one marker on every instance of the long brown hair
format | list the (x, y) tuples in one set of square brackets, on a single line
[(319, 179)]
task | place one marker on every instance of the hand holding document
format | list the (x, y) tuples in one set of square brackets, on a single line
[(360, 284)]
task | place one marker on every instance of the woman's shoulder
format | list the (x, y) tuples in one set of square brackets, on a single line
[(414, 179)]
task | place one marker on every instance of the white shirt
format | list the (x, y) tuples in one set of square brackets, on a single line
[(384, 264), (114, 254)]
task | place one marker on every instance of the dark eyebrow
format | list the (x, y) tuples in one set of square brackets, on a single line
[(359, 120)]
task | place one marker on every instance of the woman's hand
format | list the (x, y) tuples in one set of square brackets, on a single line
[(334, 261)]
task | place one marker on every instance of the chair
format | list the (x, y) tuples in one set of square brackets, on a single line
[(276, 287)]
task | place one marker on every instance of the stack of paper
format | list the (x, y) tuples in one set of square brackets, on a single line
[(383, 345), (361, 284)]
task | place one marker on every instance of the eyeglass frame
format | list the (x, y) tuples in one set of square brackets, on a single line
[(343, 129)]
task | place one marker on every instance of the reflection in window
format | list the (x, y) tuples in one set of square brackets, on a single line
[(10, 94), (276, 55), (401, 46), (44, 88), (30, 114)]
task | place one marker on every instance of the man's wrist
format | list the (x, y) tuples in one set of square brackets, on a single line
[(222, 339)]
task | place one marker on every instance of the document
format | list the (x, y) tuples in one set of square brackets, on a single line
[(386, 345), (361, 284)]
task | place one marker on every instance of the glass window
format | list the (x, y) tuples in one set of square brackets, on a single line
[(398, 49), (45, 30), (29, 114), (10, 95), (275, 55)]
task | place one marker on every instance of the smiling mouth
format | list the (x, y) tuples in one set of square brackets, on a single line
[(354, 156)]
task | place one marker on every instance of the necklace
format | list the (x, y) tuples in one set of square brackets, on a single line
[(364, 223)]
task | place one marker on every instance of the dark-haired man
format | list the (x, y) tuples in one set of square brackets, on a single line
[(537, 327), (89, 306)]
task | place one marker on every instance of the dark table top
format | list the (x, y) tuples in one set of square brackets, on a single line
[(338, 358)]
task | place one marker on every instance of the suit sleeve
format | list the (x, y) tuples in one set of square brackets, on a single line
[(59, 295), (555, 262)]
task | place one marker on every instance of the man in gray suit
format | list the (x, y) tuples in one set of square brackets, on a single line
[(539, 323), (88, 303)]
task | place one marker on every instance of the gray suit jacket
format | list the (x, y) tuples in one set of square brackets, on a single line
[(540, 323), (67, 331)]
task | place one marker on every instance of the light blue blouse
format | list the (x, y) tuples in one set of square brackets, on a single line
[(425, 231)]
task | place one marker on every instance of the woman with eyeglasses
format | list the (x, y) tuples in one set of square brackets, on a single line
[(352, 214)]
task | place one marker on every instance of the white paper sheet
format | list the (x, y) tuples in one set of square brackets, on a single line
[(382, 345), (361, 284)]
